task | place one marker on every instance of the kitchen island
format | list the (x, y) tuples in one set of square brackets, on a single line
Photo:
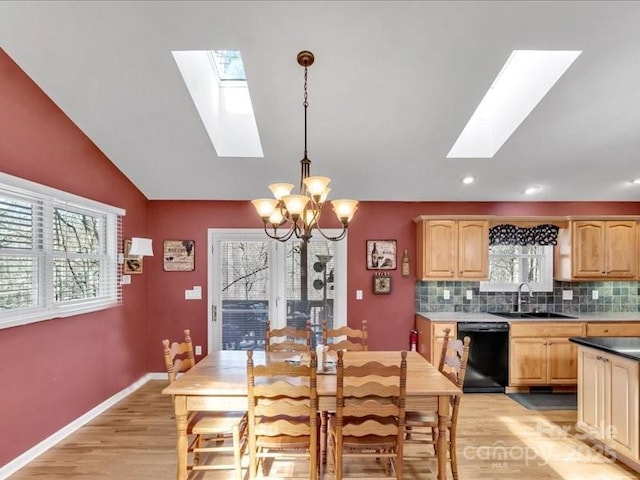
[(608, 394)]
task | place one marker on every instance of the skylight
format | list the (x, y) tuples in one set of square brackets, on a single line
[(524, 80), (217, 84), (228, 65)]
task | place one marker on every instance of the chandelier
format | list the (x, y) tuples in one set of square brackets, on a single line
[(299, 214)]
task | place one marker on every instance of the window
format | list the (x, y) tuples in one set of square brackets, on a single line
[(58, 253), (510, 265)]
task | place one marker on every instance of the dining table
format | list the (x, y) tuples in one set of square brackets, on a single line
[(219, 383)]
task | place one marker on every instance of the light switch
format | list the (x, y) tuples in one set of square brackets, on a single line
[(126, 280), (358, 294), (594, 295), (446, 294), (469, 294), (567, 294)]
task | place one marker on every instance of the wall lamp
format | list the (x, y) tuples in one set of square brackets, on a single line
[(141, 247)]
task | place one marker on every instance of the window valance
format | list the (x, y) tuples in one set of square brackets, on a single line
[(506, 234)]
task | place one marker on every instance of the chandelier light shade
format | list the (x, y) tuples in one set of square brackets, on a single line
[(287, 214)]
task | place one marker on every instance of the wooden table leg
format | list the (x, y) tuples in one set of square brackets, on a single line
[(180, 405), (443, 416)]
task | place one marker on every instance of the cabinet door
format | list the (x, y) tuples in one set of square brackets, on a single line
[(588, 251), (473, 249), (438, 340), (622, 412), (439, 249), (527, 361), (621, 249), (562, 361), (423, 326), (591, 393)]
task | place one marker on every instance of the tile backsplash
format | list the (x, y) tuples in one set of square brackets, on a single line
[(612, 297)]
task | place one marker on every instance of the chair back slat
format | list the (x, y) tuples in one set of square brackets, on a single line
[(345, 338), (369, 427), (287, 339), (282, 427)]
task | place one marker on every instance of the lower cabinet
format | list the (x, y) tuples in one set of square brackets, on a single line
[(431, 337), (608, 400), (540, 353)]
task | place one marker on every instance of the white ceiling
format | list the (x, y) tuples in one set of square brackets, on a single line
[(393, 85)]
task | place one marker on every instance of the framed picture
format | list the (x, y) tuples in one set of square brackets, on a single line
[(179, 255), (132, 263), (381, 284), (381, 255)]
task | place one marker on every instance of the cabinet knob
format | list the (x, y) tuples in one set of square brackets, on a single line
[(606, 330)]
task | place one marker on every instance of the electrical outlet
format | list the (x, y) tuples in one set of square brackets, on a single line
[(594, 295), (198, 350), (567, 294), (446, 294), (469, 294)]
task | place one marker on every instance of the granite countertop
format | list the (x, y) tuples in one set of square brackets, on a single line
[(487, 317), (628, 347)]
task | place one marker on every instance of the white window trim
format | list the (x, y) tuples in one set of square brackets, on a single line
[(49, 195), (545, 286)]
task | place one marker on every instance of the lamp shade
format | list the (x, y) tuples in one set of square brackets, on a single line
[(141, 247)]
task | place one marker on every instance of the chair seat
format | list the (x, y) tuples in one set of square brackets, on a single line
[(212, 423)]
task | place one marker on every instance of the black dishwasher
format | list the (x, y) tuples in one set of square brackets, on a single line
[(488, 366)]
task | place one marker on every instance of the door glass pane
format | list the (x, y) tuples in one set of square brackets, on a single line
[(244, 291), (311, 296)]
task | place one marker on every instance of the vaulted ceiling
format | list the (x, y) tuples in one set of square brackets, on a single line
[(392, 87)]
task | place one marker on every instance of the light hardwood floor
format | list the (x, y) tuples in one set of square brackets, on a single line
[(497, 439)]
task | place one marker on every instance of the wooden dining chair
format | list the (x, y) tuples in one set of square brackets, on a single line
[(212, 433), (283, 405), (345, 338), (422, 427), (369, 418), (287, 339)]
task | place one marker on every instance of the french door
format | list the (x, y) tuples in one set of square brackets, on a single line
[(253, 278)]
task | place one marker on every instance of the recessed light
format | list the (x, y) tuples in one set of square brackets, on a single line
[(531, 190), (636, 181), (468, 180)]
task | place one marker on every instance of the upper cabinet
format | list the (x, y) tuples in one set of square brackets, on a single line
[(597, 249), (452, 249)]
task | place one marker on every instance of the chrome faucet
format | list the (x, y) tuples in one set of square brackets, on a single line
[(520, 300)]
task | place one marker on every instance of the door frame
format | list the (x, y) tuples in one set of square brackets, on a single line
[(277, 309)]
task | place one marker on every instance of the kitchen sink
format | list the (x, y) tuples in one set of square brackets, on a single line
[(530, 315)]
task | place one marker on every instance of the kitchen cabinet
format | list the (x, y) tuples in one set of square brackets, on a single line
[(613, 329), (452, 249), (597, 249), (608, 400), (540, 353), (431, 337)]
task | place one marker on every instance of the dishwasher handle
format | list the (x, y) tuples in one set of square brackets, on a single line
[(482, 327)]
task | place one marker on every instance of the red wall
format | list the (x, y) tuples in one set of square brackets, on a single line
[(389, 316), (54, 371)]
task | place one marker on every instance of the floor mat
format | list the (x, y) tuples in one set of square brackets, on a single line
[(546, 401)]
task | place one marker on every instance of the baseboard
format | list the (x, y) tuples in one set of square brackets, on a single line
[(20, 461)]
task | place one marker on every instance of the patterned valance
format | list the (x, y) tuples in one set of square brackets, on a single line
[(546, 234)]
